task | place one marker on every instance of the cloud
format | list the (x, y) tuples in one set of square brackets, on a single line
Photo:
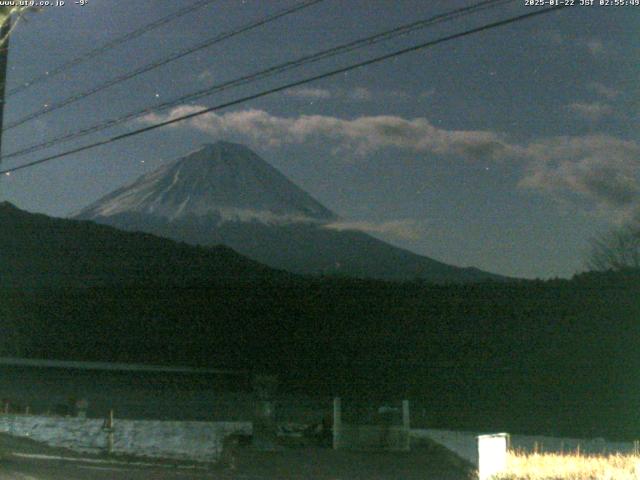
[(313, 93), (552, 36), (406, 229), (427, 93), (206, 76), (360, 94), (595, 46), (601, 169), (592, 112), (361, 135), (600, 173), (357, 94), (603, 90), (400, 95)]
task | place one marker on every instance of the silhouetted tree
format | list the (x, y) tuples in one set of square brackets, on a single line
[(616, 250)]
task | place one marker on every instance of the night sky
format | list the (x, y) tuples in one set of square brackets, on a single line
[(507, 150)]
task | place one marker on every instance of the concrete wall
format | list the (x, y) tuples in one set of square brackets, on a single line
[(200, 441), (465, 445)]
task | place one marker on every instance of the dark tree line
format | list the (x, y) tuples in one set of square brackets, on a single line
[(542, 357), (616, 250)]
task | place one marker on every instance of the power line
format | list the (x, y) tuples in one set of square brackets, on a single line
[(108, 46), (157, 64), (287, 86), (277, 69)]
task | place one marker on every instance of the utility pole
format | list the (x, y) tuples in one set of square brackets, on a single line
[(5, 29), (6, 24)]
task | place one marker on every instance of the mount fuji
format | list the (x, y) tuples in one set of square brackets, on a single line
[(224, 193)]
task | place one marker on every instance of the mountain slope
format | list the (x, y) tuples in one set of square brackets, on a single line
[(225, 179), (40, 251), (225, 194)]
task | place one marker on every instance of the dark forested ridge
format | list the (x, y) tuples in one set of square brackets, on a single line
[(557, 357), (37, 251)]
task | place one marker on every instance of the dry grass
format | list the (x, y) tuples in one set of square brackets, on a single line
[(571, 466)]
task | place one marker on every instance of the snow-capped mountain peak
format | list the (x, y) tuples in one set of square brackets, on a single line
[(224, 179)]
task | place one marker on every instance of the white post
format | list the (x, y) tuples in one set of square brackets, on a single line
[(406, 425), (108, 428), (492, 454), (337, 422)]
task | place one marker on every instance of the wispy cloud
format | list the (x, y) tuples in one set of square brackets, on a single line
[(360, 94), (552, 36), (595, 46), (599, 172), (592, 45), (427, 93), (312, 93), (593, 112), (603, 90), (357, 94), (206, 76), (361, 135), (407, 229), (601, 169)]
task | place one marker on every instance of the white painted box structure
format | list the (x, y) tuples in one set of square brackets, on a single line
[(492, 454)]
